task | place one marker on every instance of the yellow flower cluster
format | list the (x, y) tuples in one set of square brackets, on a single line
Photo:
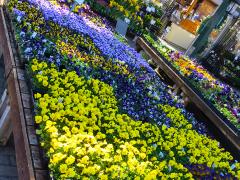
[(127, 8), (177, 118), (53, 30), (87, 138), (187, 66), (73, 42), (95, 61)]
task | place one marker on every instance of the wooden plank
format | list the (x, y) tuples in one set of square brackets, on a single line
[(42, 175), (23, 86), (5, 126), (5, 45), (23, 154), (32, 135), (36, 162), (28, 116), (224, 128), (3, 102)]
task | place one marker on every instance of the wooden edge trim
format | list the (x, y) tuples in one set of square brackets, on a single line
[(5, 44), (22, 148)]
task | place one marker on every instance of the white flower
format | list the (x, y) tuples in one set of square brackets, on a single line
[(152, 22), (27, 50), (148, 9), (127, 20), (60, 100), (33, 35), (146, 1), (153, 9)]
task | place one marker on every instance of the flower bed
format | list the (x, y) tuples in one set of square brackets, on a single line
[(222, 96), (141, 14), (128, 85), (87, 137), (84, 10), (91, 90), (148, 14)]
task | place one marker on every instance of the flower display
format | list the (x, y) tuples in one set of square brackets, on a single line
[(141, 78), (101, 112), (84, 10), (222, 96), (86, 136), (140, 14)]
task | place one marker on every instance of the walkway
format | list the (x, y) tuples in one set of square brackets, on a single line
[(8, 169)]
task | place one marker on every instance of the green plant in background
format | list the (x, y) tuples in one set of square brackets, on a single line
[(222, 97), (140, 14)]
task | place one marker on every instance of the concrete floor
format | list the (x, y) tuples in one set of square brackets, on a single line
[(8, 168)]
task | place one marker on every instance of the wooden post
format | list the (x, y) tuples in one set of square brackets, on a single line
[(186, 101), (138, 48), (176, 89), (21, 142), (5, 123)]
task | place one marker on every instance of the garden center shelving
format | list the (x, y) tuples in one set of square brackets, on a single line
[(220, 122)]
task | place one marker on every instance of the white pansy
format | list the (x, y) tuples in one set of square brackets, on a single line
[(146, 1), (152, 9), (127, 20), (148, 9), (152, 22)]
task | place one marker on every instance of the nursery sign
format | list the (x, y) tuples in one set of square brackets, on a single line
[(121, 27)]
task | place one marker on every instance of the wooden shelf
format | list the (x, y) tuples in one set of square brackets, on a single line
[(227, 130)]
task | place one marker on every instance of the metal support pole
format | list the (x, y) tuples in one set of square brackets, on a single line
[(201, 41)]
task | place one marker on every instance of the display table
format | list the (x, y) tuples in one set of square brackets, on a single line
[(179, 36), (225, 129)]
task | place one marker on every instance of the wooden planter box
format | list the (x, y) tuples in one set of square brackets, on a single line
[(30, 164)]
